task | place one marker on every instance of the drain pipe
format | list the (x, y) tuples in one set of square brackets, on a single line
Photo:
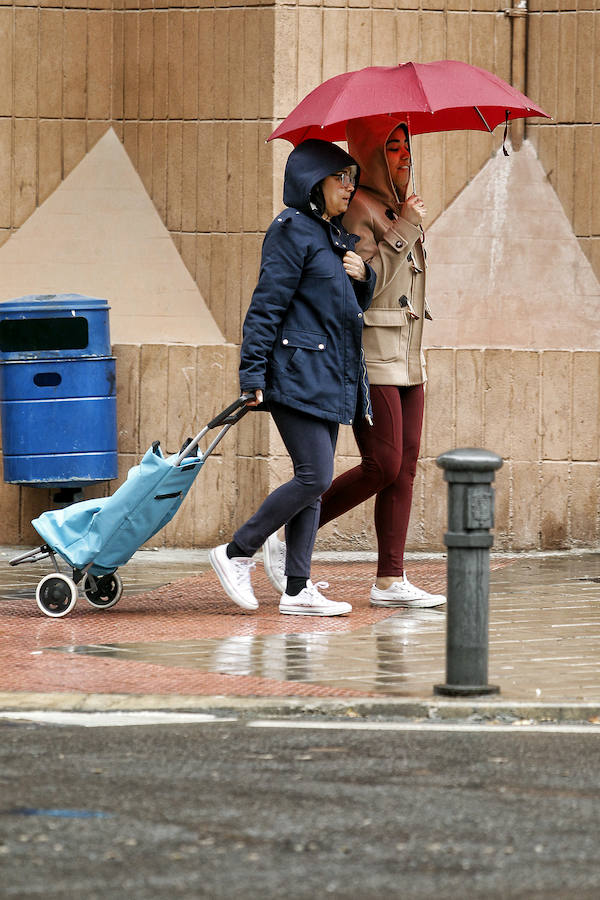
[(518, 67)]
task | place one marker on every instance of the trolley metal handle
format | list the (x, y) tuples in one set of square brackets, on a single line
[(229, 417)]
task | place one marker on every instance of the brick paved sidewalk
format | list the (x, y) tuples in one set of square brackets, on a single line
[(185, 638)]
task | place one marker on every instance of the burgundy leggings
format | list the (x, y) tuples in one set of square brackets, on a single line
[(389, 449)]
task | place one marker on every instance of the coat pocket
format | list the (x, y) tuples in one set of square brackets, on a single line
[(292, 341), (382, 335)]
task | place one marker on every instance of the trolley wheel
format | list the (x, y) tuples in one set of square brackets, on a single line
[(56, 595), (107, 592)]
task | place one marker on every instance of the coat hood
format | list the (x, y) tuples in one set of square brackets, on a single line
[(311, 162), (366, 142)]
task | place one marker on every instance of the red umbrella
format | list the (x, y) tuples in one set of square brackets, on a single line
[(439, 96)]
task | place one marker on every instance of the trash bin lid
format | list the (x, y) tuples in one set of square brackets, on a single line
[(44, 302)]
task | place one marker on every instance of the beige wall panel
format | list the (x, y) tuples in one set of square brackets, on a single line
[(154, 396), (555, 505), (584, 496), (117, 65), (6, 61), (215, 495), (235, 172), (502, 47), (415, 536), (10, 501), (469, 396), (432, 36), (188, 252), (217, 298), (556, 404), (435, 506), (233, 262), (455, 158), (25, 62), (191, 81), (582, 196), (24, 170), (50, 65), (99, 64), (584, 66), (144, 165), (525, 396), (206, 63), (74, 144), (236, 64), (94, 131), (334, 42), (33, 502), (439, 425), (595, 183), (50, 158), (203, 255), (502, 505), (146, 65), (359, 43), (182, 395), (248, 90), (586, 406), (384, 38), (549, 40), (566, 175), (159, 168), (249, 172), (310, 50), (218, 163), (222, 52), (175, 66), (131, 142), (267, 63), (526, 506), (161, 64), (206, 180), (189, 176), (252, 486), (131, 71), (128, 397), (6, 130), (174, 174), (74, 64), (407, 27), (567, 56), (430, 173), (533, 63), (547, 151), (496, 404)]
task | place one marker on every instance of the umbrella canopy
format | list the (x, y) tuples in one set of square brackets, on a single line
[(439, 96)]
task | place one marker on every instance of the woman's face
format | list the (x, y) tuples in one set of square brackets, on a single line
[(337, 190), (397, 151)]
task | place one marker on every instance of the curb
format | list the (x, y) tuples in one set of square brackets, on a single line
[(360, 708)]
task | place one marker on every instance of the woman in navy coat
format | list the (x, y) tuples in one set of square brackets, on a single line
[(302, 354)]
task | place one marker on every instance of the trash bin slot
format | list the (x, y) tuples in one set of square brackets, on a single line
[(47, 379), (57, 333)]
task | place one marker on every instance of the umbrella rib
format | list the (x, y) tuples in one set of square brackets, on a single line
[(478, 111)]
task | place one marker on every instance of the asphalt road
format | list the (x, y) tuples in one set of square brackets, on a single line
[(228, 810)]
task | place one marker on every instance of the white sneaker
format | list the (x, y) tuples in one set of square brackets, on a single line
[(310, 602), (234, 575), (274, 562), (403, 593)]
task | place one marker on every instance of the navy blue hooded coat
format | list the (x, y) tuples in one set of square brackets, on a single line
[(302, 335)]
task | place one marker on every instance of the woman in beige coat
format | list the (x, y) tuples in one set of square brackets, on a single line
[(388, 223)]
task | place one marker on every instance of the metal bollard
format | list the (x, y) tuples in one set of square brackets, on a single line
[(469, 473)]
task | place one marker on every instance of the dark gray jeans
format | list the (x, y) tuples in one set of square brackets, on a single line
[(296, 504)]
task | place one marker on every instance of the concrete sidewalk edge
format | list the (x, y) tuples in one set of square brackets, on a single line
[(359, 708)]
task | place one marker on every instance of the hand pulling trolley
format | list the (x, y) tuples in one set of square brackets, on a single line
[(95, 537)]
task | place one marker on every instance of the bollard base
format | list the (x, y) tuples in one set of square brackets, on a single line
[(465, 690)]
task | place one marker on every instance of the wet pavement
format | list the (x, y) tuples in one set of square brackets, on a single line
[(175, 635)]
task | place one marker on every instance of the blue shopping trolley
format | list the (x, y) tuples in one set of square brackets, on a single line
[(95, 537)]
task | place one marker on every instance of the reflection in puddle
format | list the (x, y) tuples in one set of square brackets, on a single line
[(379, 658)]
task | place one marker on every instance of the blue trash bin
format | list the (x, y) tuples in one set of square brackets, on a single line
[(57, 391)]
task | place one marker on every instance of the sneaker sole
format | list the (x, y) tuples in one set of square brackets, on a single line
[(312, 612), (404, 604), (229, 590)]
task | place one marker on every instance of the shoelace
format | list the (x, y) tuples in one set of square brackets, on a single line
[(242, 569), (316, 587)]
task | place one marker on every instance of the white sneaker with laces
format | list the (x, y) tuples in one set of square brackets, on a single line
[(310, 602), (274, 562), (234, 575), (403, 593)]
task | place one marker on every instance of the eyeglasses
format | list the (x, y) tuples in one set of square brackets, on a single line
[(346, 177)]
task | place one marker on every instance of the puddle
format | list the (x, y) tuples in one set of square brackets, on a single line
[(378, 658)]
